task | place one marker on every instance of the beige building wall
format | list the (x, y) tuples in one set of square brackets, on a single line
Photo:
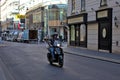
[(115, 29), (91, 7), (116, 32), (92, 36)]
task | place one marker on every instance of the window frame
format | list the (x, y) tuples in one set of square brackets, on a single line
[(72, 32), (73, 6), (103, 3), (83, 5)]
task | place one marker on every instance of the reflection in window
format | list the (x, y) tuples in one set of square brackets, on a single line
[(82, 32), (73, 6), (53, 14), (57, 14), (72, 33), (82, 5), (77, 33), (103, 3)]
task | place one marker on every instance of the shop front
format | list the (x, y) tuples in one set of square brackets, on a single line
[(78, 30)]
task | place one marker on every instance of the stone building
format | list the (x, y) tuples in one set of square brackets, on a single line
[(48, 19), (94, 24), (9, 9)]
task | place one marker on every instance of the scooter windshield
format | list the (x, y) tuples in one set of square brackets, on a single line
[(57, 43)]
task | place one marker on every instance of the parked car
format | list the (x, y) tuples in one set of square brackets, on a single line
[(4, 35)]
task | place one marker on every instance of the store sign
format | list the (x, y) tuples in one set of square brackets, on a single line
[(102, 14), (75, 20), (19, 16)]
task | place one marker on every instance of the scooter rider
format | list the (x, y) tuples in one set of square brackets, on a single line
[(53, 43)]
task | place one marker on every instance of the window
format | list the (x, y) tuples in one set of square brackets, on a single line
[(103, 3), (72, 33), (73, 6), (82, 32), (82, 5), (53, 14)]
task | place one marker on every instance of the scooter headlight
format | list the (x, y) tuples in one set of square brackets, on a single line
[(58, 45)]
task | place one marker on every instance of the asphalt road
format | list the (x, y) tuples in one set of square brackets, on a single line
[(29, 62)]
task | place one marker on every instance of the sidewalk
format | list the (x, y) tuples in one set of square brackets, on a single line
[(111, 57)]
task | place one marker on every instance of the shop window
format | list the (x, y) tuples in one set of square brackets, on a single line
[(73, 6), (103, 3), (82, 32), (82, 5), (72, 33)]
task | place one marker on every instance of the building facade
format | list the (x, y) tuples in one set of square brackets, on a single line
[(9, 9), (56, 18), (94, 24), (48, 19)]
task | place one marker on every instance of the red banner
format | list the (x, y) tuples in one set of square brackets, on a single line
[(18, 25)]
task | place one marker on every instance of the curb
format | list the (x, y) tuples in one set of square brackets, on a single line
[(95, 57)]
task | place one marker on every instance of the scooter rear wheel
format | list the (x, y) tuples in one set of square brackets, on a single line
[(51, 61), (60, 61), (49, 58)]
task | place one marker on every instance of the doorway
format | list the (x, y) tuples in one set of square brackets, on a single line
[(105, 36)]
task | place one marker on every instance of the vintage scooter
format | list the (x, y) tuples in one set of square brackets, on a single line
[(58, 54)]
